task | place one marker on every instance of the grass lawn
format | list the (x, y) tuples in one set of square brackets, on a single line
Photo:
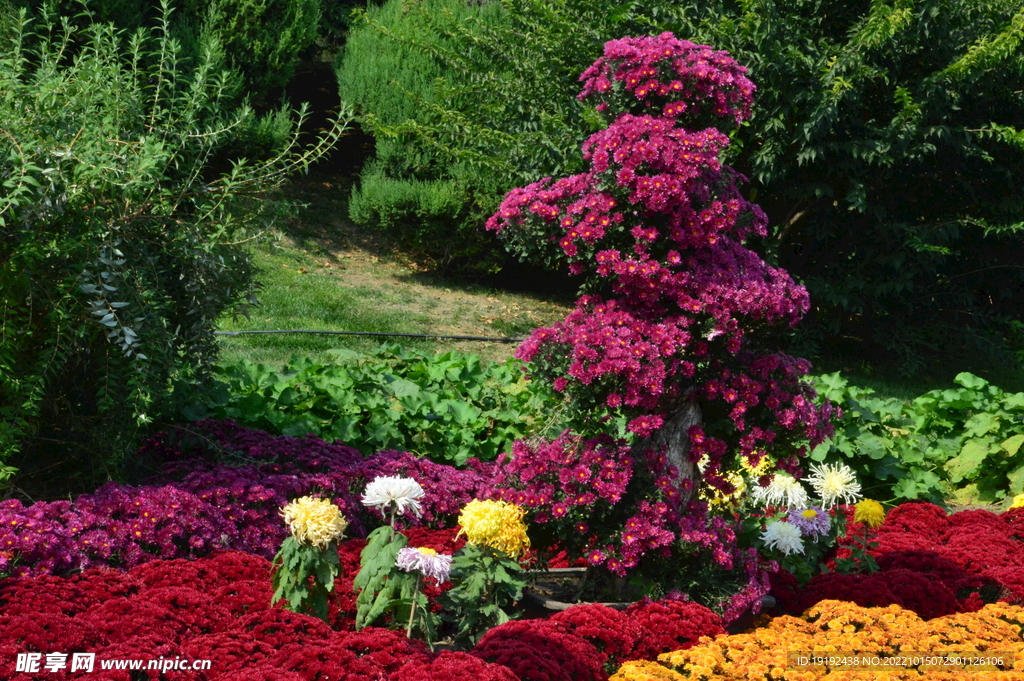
[(325, 274)]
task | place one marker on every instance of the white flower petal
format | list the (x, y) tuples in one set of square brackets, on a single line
[(383, 491)]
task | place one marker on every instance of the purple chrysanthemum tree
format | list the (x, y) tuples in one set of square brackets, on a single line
[(679, 333)]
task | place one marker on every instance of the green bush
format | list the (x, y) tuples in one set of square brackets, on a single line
[(965, 443), (448, 407), (262, 38), (118, 248), (459, 100), (423, 212), (884, 145)]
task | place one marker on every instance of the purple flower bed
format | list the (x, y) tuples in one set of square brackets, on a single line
[(196, 504)]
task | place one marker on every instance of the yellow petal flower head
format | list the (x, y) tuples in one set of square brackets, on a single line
[(497, 524), (1018, 501), (314, 521), (716, 498), (869, 512)]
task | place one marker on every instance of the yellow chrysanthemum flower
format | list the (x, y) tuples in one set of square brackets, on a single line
[(1018, 501), (717, 499), (645, 670), (497, 524), (758, 470), (869, 512), (314, 521)]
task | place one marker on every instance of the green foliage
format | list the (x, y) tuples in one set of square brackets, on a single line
[(304, 576), (448, 407), (860, 559), (487, 583), (875, 437), (262, 38), (989, 428), (464, 104), (119, 248), (422, 212), (407, 190), (381, 587), (881, 148), (967, 441), (884, 144)]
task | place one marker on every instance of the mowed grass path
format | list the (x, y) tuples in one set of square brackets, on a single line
[(325, 274)]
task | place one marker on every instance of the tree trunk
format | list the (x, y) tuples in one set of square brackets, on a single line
[(673, 439)]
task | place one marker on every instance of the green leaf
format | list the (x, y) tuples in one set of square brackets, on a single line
[(967, 462), (874, 446), (982, 424), (969, 380), (1012, 445), (1016, 479), (403, 388)]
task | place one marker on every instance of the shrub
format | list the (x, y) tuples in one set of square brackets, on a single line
[(262, 38), (405, 190), (119, 248)]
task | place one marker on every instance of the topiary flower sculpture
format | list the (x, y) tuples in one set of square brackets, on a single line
[(677, 336)]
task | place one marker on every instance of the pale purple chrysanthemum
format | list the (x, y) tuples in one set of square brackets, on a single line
[(812, 521), (426, 561)]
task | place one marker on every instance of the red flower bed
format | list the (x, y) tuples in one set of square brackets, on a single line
[(541, 650), (930, 562), (671, 625), (454, 666)]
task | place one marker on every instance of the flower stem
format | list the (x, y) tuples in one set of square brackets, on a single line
[(412, 610)]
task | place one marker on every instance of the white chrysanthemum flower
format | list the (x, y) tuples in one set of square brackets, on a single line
[(383, 491), (426, 561), (784, 490), (834, 482), (783, 536)]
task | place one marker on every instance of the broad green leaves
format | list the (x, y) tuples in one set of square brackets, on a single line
[(487, 584), (304, 576), (966, 442), (448, 407), (381, 586)]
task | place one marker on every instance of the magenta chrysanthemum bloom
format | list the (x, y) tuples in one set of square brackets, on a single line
[(812, 521), (426, 561)]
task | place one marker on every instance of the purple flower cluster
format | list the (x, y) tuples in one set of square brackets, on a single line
[(574, 486), (670, 77), (660, 218), (196, 505), (117, 525)]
